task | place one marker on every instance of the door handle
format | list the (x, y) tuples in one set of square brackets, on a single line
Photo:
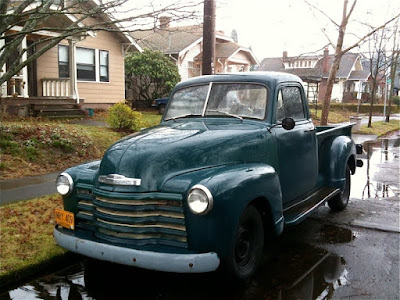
[(310, 129)]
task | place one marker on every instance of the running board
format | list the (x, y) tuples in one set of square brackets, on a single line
[(297, 212)]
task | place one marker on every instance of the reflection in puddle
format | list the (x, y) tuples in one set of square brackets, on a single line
[(379, 177)]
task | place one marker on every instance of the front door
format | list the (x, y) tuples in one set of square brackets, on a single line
[(297, 148)]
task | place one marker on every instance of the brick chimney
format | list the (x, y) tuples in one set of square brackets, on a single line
[(325, 61), (284, 55), (165, 21)]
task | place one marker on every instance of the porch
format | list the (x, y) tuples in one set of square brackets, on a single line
[(56, 99), (50, 107)]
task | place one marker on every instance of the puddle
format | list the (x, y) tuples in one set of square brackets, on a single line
[(379, 177), (298, 271), (334, 234)]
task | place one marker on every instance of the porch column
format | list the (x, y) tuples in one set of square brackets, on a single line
[(72, 69), (24, 69), (3, 87)]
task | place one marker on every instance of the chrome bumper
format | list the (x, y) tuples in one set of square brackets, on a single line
[(167, 262)]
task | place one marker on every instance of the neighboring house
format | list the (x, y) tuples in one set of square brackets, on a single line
[(87, 69), (351, 78), (184, 46)]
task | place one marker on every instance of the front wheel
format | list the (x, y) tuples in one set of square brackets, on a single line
[(340, 201), (247, 249)]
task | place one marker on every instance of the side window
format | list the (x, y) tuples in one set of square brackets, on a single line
[(289, 104)]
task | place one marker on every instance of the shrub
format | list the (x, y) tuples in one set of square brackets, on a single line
[(122, 118), (396, 100)]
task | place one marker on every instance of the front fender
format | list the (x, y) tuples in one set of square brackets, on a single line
[(233, 187)]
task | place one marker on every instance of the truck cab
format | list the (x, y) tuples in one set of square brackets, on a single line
[(235, 159)]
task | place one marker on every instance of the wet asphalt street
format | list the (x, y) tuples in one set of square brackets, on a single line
[(352, 254)]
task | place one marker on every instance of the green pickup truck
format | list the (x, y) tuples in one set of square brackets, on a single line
[(235, 159)]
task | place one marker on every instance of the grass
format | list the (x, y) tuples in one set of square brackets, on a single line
[(26, 237), (333, 117), (36, 147), (380, 128)]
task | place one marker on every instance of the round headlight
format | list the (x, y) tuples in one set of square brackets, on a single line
[(200, 200), (64, 184)]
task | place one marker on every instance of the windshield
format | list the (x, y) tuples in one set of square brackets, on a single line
[(240, 100)]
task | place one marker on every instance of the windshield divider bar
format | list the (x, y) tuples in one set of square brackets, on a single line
[(207, 98)]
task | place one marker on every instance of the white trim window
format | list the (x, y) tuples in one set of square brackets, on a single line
[(91, 64), (104, 63), (63, 61), (86, 64)]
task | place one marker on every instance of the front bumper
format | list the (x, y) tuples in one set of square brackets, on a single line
[(167, 262)]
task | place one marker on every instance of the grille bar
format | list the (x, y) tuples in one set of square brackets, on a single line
[(134, 218)]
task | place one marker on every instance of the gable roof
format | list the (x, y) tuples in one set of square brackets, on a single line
[(318, 72), (170, 40)]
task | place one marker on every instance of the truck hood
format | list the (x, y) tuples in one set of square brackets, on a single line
[(160, 153)]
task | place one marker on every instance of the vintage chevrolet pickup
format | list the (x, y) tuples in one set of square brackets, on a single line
[(235, 158)]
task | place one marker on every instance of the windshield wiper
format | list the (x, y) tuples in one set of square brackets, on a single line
[(224, 113), (183, 116)]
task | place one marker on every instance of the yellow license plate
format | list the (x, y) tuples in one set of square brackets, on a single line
[(65, 218)]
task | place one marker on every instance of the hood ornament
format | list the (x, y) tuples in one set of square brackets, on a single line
[(116, 179)]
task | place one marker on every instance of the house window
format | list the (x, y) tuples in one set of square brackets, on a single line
[(104, 65), (85, 64), (63, 62)]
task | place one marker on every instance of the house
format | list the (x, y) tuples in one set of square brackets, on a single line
[(184, 45), (84, 70), (351, 78)]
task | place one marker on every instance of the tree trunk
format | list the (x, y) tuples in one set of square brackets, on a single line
[(335, 66), (329, 87), (373, 92)]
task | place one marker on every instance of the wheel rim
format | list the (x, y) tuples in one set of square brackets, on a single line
[(244, 247)]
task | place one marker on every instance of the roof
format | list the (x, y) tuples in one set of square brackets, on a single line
[(228, 50), (168, 40), (346, 64)]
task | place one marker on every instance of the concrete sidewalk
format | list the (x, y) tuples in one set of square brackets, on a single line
[(13, 190)]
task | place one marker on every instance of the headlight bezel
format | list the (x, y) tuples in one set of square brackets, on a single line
[(207, 193), (70, 184)]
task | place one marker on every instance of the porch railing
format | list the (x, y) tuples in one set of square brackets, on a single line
[(56, 87)]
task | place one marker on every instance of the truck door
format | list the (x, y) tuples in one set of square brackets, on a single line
[(297, 148)]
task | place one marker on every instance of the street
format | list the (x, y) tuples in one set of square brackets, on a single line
[(353, 254)]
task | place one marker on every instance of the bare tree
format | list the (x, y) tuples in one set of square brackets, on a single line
[(394, 67), (378, 64), (340, 50), (26, 17)]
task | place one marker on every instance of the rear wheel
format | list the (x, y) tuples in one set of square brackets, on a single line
[(340, 201), (247, 249)]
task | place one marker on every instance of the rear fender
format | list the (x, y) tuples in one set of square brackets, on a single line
[(233, 188), (342, 152)]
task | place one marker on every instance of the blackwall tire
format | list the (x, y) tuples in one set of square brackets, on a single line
[(247, 250), (340, 201)]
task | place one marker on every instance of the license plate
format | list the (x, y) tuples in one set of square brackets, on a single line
[(65, 218)]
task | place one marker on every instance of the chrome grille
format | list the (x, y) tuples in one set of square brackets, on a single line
[(137, 219)]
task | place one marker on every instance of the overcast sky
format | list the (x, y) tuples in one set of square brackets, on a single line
[(272, 26)]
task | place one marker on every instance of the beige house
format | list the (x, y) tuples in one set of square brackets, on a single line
[(184, 45), (86, 70)]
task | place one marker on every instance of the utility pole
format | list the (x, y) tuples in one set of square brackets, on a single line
[(208, 37)]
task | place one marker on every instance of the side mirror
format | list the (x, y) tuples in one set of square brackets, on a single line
[(288, 123)]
